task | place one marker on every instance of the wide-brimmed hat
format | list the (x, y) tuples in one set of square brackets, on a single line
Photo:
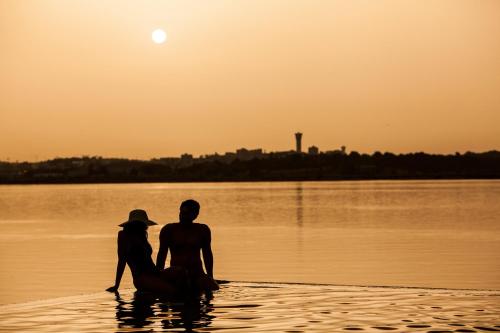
[(139, 215)]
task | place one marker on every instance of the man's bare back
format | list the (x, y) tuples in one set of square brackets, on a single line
[(185, 242), (185, 239)]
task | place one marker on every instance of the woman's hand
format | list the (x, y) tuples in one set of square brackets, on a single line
[(113, 289)]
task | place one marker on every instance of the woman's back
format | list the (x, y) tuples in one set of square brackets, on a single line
[(136, 250)]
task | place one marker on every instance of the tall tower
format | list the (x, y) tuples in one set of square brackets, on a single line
[(298, 142)]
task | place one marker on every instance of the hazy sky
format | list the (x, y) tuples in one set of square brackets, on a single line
[(84, 78)]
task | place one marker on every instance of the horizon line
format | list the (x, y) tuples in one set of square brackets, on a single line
[(202, 156)]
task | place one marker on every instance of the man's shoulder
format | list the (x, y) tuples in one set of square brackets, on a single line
[(203, 227), (176, 225), (168, 226)]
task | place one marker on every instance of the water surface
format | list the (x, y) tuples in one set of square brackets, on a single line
[(260, 307), (60, 240)]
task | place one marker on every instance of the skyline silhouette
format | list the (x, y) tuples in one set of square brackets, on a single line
[(242, 154), (280, 166)]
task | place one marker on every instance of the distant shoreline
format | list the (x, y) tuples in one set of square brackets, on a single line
[(272, 168), (244, 181)]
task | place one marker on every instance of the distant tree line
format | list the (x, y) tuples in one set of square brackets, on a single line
[(272, 167)]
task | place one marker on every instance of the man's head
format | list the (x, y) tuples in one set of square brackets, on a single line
[(189, 211)]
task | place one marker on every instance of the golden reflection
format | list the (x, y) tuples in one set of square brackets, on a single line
[(299, 198), (144, 309)]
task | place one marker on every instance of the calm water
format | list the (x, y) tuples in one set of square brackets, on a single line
[(59, 240), (261, 307)]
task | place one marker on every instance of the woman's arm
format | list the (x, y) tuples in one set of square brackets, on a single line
[(122, 262)]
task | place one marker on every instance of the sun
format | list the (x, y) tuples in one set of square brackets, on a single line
[(159, 36)]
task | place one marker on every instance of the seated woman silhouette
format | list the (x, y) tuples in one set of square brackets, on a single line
[(135, 250)]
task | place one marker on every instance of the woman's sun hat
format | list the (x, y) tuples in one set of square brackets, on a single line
[(139, 215)]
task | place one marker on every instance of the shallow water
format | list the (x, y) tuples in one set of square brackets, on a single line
[(260, 307), (60, 240)]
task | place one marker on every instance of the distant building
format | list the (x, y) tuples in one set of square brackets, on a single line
[(229, 157), (282, 153), (186, 160), (298, 142), (341, 151), (244, 154), (313, 150)]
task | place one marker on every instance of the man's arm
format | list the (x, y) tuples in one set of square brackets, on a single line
[(163, 251), (206, 249)]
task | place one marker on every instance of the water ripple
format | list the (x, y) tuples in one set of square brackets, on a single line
[(254, 307)]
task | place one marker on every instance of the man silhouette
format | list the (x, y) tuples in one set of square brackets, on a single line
[(185, 239)]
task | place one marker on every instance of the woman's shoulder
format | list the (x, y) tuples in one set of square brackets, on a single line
[(123, 243), (122, 235)]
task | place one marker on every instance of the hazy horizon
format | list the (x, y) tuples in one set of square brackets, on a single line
[(222, 154), (85, 78)]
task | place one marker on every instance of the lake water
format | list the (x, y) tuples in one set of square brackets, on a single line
[(264, 307), (60, 240)]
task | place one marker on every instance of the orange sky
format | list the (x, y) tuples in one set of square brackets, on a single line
[(84, 78)]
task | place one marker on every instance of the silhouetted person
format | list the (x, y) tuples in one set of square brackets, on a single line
[(135, 250), (185, 239)]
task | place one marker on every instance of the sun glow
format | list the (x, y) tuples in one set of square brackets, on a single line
[(159, 36)]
